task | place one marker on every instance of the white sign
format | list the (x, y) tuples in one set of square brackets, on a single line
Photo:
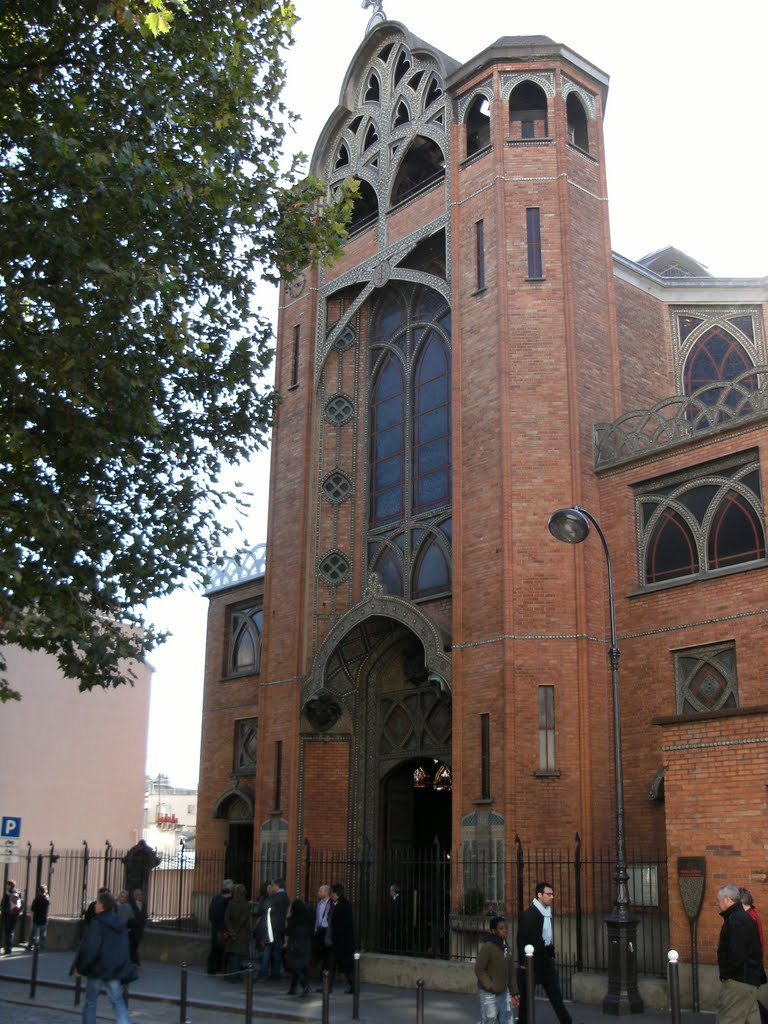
[(9, 858), (10, 845), (10, 828)]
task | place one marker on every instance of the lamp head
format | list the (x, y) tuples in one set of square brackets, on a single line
[(569, 525)]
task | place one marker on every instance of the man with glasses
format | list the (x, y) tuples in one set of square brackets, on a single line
[(535, 929)]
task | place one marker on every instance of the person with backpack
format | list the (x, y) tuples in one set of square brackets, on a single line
[(39, 908), (11, 907)]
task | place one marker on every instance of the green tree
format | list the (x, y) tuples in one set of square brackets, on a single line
[(143, 194)]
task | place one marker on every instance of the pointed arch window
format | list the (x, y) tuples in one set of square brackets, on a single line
[(244, 655), (373, 89), (432, 574), (708, 519), (717, 357)]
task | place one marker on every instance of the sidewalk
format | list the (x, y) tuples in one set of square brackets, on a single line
[(154, 999)]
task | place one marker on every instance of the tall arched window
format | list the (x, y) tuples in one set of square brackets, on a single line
[(410, 441), (576, 115), (528, 112), (388, 443), (478, 124)]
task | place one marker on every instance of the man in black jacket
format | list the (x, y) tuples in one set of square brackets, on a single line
[(739, 959), (103, 958), (535, 929), (278, 905)]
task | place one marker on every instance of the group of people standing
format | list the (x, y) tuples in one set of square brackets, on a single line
[(280, 935), (11, 907)]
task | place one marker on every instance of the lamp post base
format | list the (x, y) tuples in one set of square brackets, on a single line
[(622, 996)]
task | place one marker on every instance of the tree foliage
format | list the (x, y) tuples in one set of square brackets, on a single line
[(143, 193)]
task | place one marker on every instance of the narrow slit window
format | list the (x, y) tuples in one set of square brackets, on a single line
[(546, 728), (480, 254), (278, 772), (533, 229), (485, 757), (296, 351)]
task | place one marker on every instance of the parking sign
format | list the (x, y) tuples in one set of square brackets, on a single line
[(10, 828)]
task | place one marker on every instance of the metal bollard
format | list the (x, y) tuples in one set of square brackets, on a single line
[(326, 996), (674, 985), (248, 993), (356, 989), (78, 989), (183, 996), (530, 985), (420, 1001), (33, 978)]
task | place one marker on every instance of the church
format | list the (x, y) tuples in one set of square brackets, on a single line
[(416, 682)]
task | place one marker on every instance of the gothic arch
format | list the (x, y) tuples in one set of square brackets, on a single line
[(378, 605), (235, 805)]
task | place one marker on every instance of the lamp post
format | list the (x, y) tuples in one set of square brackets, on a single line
[(572, 526)]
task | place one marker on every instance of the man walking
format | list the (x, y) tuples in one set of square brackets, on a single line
[(103, 958), (495, 970), (321, 950), (739, 960), (535, 929)]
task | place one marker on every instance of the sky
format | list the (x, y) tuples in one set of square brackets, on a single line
[(684, 138)]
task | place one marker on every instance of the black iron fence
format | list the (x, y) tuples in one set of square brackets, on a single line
[(444, 900), (439, 906)]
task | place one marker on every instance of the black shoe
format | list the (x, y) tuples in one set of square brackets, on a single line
[(348, 991), (291, 991), (306, 991)]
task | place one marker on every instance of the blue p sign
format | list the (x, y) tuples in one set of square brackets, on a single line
[(10, 828)]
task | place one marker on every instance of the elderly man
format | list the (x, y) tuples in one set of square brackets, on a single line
[(739, 960)]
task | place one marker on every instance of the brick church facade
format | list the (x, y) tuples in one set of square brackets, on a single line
[(420, 665)]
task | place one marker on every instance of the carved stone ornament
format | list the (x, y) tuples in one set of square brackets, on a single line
[(295, 287), (322, 711)]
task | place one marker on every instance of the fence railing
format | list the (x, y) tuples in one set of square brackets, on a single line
[(443, 903)]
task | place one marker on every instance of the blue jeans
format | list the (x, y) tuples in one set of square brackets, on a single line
[(495, 1008), (37, 935), (277, 956), (114, 991), (265, 961)]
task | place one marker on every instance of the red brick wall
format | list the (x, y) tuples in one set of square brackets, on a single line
[(716, 773)]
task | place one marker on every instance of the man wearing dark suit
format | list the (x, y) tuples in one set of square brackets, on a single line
[(343, 936), (535, 929), (138, 923)]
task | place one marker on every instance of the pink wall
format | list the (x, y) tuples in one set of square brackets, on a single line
[(73, 762)]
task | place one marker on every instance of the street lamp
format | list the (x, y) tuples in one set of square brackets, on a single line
[(572, 525)]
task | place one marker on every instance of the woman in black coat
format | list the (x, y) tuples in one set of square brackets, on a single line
[(298, 946)]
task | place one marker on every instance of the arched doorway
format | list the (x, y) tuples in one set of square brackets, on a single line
[(236, 808)]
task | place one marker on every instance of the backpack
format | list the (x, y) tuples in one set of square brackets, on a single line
[(14, 902)]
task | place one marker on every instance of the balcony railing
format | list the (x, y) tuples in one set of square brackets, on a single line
[(708, 411)]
